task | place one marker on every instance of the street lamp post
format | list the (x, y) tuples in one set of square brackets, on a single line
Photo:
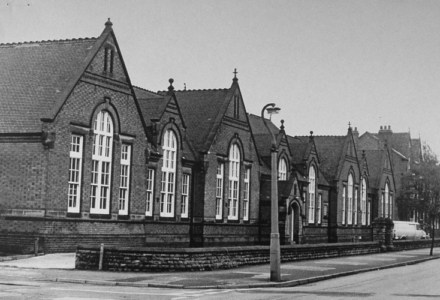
[(275, 255)]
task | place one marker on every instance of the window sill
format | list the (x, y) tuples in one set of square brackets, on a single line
[(73, 215), (123, 217), (100, 216)]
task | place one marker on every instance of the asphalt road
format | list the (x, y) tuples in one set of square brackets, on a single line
[(420, 281)]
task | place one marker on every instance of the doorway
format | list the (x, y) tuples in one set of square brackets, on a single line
[(294, 223)]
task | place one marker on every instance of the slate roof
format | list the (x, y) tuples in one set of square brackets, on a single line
[(203, 111), (262, 137), (330, 150), (152, 105), (142, 93), (375, 166), (263, 143), (258, 127), (33, 78), (298, 146)]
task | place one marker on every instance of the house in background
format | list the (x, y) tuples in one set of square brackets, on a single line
[(405, 152)]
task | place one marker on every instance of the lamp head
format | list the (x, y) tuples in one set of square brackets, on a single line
[(273, 110)]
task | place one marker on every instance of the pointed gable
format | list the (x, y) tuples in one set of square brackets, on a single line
[(40, 76), (203, 111), (300, 146), (351, 148), (331, 152)]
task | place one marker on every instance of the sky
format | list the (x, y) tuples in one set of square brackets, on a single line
[(324, 63)]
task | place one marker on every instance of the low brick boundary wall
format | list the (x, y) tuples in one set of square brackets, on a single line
[(400, 245), (206, 259)]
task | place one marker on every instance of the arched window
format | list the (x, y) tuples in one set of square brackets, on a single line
[(312, 186), (101, 163), (364, 200), (387, 200), (350, 199), (168, 174), (282, 169), (234, 177)]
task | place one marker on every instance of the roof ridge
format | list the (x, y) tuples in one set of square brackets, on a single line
[(199, 90), (337, 136), (141, 88), (47, 41)]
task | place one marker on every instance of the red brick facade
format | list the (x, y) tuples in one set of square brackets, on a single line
[(177, 168)]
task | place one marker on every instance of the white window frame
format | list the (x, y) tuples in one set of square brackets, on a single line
[(219, 191), (368, 211), (391, 207), (168, 180), (312, 190), (382, 210), (355, 206), (319, 209), (344, 191), (282, 169), (100, 191), (124, 184), (364, 200), (234, 182), (350, 199), (185, 196), (150, 193), (75, 173), (247, 176), (387, 200)]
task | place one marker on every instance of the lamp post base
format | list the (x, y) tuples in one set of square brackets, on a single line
[(275, 257)]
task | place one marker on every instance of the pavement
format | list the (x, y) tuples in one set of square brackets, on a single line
[(61, 268)]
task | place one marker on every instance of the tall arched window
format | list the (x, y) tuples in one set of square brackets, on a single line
[(387, 200), (101, 163), (350, 199), (168, 174), (312, 186), (234, 178), (364, 200), (282, 169)]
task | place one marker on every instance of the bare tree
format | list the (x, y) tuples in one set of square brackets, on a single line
[(422, 190)]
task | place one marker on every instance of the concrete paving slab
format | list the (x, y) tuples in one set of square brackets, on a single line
[(48, 261), (60, 267), (306, 268), (342, 263), (378, 258)]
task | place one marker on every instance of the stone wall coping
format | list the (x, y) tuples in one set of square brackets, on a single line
[(222, 249)]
